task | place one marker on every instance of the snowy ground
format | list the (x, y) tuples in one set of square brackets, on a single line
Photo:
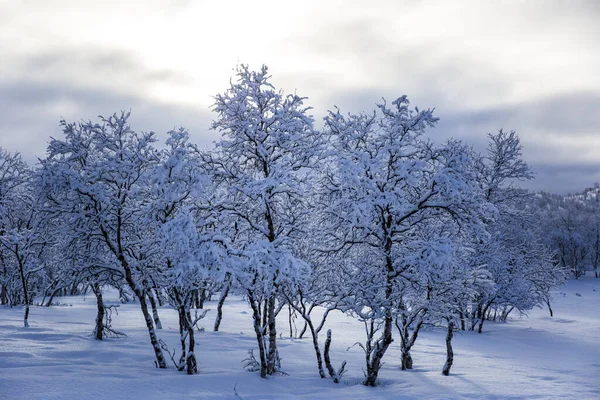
[(535, 357)]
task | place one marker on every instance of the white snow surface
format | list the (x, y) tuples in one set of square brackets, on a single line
[(535, 357)]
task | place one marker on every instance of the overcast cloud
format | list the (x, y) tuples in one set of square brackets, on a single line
[(531, 66)]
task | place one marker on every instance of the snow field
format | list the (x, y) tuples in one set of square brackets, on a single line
[(527, 358)]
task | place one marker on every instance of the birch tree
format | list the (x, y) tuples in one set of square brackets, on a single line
[(268, 145), (94, 176), (387, 183)]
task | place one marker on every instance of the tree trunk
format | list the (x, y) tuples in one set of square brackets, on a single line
[(549, 308), (258, 330), (191, 364), (290, 320), (381, 346), (272, 355), (51, 299), (154, 310), (335, 375), (315, 339), (3, 289), (201, 298), (482, 320), (406, 359), (160, 358), (408, 340), (462, 320), (303, 331), (99, 330), (182, 330), (449, 352), (3, 295), (222, 297), (264, 315), (25, 291)]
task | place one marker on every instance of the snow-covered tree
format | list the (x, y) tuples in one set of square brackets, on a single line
[(518, 262), (261, 163), (187, 241), (22, 236), (93, 177), (387, 184)]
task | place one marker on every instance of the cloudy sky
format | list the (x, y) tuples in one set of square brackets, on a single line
[(532, 66)]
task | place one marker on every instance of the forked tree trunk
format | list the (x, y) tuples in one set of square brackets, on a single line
[(374, 362), (187, 360), (482, 319), (374, 356), (99, 330), (335, 375), (191, 363), (408, 341), (258, 330), (449, 352)]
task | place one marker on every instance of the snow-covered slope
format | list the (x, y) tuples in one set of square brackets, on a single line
[(535, 357)]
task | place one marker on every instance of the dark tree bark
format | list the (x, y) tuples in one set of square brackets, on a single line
[(99, 330), (335, 375), (482, 317), (161, 362), (202, 298), (258, 330), (303, 331), (449, 351), (374, 362), (375, 355), (187, 360), (222, 297), (549, 308), (117, 249), (190, 362), (25, 290), (315, 340)]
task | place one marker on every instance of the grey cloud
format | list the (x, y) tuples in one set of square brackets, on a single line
[(30, 112), (571, 113), (96, 65), (563, 179)]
